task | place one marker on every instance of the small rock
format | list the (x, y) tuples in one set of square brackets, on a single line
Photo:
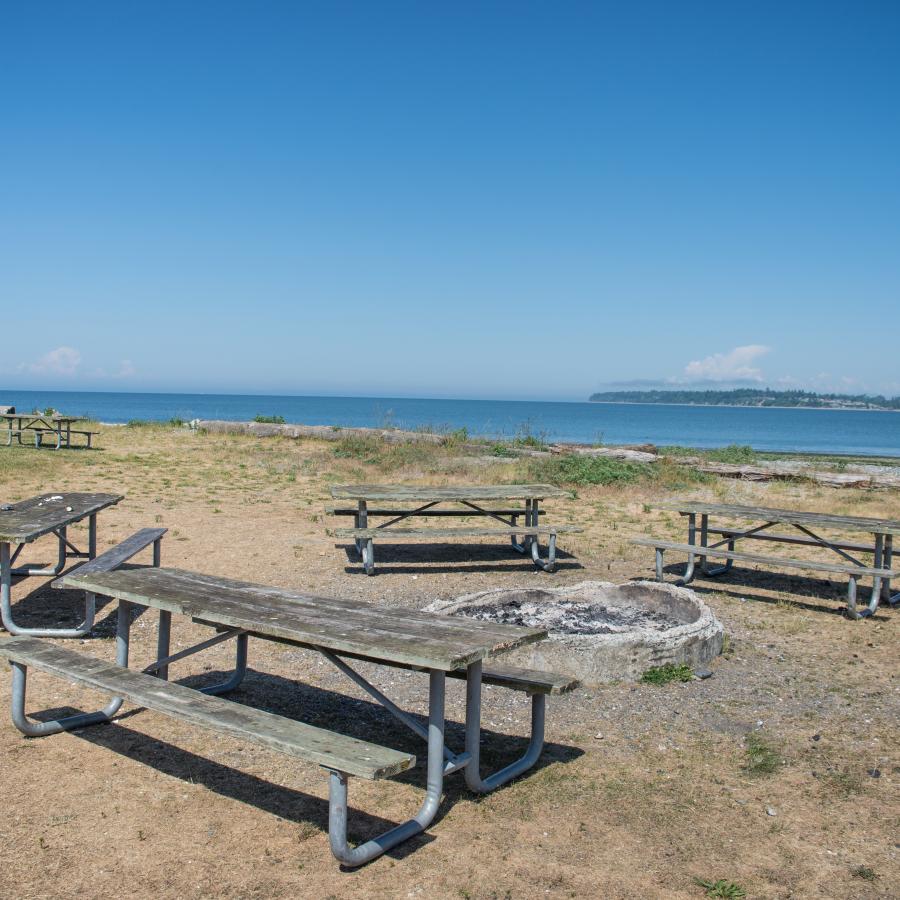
[(598, 736), (817, 737), (703, 674), (771, 811), (874, 773)]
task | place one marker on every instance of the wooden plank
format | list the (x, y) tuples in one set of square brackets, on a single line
[(790, 539), (454, 532), (397, 635), (786, 516), (530, 680), (397, 511), (719, 553), (426, 493), (315, 745), (115, 556), (37, 516)]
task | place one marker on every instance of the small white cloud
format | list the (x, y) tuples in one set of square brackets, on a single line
[(736, 365), (126, 369), (61, 361)]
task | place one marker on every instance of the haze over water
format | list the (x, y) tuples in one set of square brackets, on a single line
[(813, 430)]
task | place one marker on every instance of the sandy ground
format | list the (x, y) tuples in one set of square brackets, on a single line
[(642, 790)]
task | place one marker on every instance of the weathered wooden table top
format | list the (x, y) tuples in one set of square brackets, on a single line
[(32, 518), (404, 636), (40, 417), (425, 494), (787, 516)]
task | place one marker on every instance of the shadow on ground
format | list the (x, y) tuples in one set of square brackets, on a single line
[(419, 558), (325, 709)]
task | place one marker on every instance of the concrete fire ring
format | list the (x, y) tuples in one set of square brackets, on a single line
[(660, 624)]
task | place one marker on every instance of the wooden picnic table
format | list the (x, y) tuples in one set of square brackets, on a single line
[(714, 519), (24, 522), (40, 424), (465, 501), (340, 630)]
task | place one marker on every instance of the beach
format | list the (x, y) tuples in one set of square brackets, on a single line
[(641, 789)]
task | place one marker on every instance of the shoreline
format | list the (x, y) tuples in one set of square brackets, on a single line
[(746, 406)]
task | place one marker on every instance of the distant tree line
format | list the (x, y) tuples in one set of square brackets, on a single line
[(750, 397)]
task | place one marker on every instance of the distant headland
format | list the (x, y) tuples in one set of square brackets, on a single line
[(751, 397)]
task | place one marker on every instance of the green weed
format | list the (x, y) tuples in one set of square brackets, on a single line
[(728, 890), (737, 454), (269, 420), (761, 759), (667, 673)]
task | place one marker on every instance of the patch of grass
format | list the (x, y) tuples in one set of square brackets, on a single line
[(761, 758), (525, 437), (457, 437), (137, 423), (737, 454), (269, 420), (176, 422), (729, 890), (503, 450), (844, 782), (667, 673), (576, 469), (864, 872)]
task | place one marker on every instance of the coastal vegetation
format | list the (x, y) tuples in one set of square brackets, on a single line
[(750, 397)]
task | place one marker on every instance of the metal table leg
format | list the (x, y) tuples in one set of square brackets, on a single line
[(337, 808), (474, 781)]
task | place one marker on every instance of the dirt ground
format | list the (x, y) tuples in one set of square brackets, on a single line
[(778, 774)]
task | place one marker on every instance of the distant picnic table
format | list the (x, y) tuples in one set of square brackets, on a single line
[(342, 631), (808, 524), (40, 425), (24, 522), (472, 500)]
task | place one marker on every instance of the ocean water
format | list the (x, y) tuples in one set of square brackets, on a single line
[(812, 430)]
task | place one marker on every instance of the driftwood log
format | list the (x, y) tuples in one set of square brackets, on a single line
[(323, 432)]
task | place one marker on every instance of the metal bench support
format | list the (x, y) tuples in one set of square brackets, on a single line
[(337, 793)]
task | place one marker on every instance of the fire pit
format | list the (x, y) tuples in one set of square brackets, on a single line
[(600, 631)]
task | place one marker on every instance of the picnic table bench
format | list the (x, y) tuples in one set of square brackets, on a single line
[(342, 631), (39, 426), (808, 524), (477, 501)]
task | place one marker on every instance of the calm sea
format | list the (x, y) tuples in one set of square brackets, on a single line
[(814, 430)]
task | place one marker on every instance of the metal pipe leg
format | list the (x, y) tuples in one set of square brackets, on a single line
[(550, 564), (31, 728), (689, 572), (337, 809), (6, 572), (240, 670), (163, 642), (886, 594), (49, 570), (368, 556), (474, 781), (718, 570), (852, 611), (92, 536)]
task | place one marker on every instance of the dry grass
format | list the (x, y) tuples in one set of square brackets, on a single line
[(673, 791)]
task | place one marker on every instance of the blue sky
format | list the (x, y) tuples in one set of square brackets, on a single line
[(467, 200)]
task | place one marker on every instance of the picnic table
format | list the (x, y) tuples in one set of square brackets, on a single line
[(24, 522), (342, 631), (466, 501), (39, 425), (806, 527)]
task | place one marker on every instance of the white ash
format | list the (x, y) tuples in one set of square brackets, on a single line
[(572, 616)]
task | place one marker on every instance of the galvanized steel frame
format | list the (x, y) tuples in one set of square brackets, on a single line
[(882, 552)]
